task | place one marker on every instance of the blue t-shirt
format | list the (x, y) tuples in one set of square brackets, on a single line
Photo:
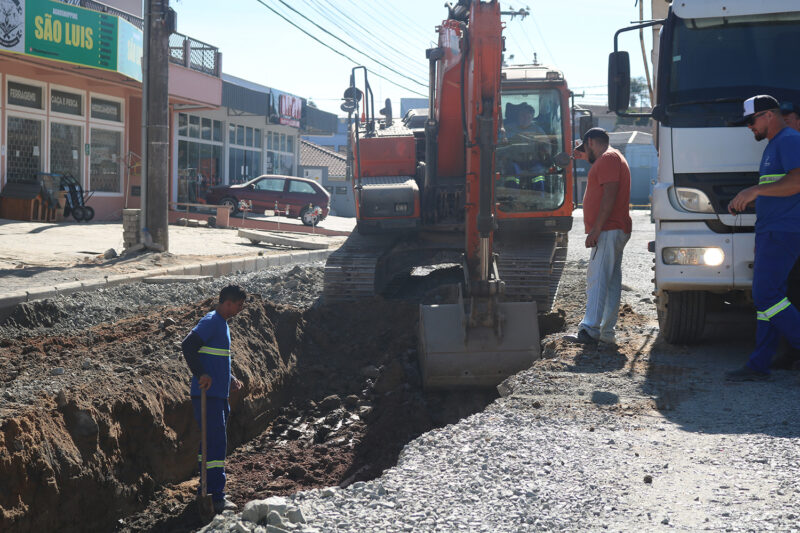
[(215, 355), (781, 156)]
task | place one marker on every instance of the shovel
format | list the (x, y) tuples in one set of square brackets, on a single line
[(204, 502)]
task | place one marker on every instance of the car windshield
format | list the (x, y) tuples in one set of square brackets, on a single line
[(530, 138), (715, 64)]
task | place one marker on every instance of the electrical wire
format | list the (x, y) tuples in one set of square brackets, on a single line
[(326, 45), (384, 65), (355, 29)]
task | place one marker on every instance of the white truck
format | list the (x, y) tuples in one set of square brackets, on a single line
[(709, 56)]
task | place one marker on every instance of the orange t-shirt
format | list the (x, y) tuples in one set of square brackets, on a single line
[(610, 167)]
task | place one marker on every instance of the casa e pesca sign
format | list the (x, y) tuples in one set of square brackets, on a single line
[(62, 32)]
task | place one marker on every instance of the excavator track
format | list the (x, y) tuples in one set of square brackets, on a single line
[(532, 269), (350, 270)]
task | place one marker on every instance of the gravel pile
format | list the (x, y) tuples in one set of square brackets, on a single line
[(64, 315)]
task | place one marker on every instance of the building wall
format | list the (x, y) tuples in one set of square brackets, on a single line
[(341, 191)]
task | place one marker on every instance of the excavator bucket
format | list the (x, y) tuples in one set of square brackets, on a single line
[(453, 355)]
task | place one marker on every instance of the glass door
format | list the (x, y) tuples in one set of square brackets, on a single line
[(24, 159), (66, 143)]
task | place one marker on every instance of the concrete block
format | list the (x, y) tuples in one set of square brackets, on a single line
[(237, 265), (285, 259), (116, 280), (261, 263), (209, 269), (175, 271), (192, 270), (11, 300), (250, 264), (271, 261), (165, 279), (93, 284), (224, 268), (41, 293), (69, 288)]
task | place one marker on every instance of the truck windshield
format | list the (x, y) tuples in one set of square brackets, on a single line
[(715, 64), (531, 136)]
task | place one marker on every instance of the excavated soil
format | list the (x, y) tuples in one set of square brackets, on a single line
[(97, 432)]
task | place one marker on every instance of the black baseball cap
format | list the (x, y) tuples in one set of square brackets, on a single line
[(593, 133), (754, 105), (790, 107)]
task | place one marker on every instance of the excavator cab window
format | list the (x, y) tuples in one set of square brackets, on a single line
[(531, 136)]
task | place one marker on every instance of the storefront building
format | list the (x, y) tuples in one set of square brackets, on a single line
[(71, 95), (254, 132)]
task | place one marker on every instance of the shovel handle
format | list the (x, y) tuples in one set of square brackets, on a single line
[(203, 445)]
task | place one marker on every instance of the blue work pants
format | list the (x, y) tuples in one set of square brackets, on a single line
[(776, 254), (217, 411)]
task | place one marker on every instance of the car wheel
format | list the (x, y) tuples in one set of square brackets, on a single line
[(230, 203), (311, 215)]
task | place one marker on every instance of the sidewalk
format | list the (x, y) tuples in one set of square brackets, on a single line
[(41, 260)]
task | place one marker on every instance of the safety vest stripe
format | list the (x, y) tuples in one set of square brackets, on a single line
[(769, 178), (774, 310), (537, 179), (214, 351)]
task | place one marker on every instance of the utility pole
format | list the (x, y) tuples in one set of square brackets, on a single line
[(159, 23)]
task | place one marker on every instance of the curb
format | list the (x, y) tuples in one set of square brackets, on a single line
[(215, 268)]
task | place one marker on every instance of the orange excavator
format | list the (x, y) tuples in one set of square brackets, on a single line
[(482, 185)]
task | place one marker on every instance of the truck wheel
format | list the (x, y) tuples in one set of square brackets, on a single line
[(682, 317), (231, 203)]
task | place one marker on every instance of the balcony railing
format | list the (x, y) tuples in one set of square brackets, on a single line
[(194, 54), (183, 50)]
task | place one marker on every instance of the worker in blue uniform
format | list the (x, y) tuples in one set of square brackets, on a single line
[(207, 350), (777, 201)]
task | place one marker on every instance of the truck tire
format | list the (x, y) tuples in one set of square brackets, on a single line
[(682, 318)]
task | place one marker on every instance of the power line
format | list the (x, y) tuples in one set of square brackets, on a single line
[(544, 41), (351, 46), (326, 45), (354, 29)]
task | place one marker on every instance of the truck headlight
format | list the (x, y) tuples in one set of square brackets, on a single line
[(693, 256), (693, 200)]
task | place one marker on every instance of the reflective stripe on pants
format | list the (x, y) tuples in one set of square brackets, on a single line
[(217, 411), (776, 254)]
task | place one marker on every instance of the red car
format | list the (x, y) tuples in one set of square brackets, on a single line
[(304, 198)]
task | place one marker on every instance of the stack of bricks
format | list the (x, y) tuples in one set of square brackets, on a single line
[(130, 227)]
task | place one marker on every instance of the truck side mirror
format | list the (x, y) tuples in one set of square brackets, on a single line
[(562, 160), (619, 81)]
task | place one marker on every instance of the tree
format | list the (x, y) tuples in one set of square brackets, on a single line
[(639, 91)]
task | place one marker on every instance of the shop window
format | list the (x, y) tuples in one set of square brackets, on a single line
[(66, 143), (269, 140), (105, 169), (249, 137), (106, 110), (218, 131), (194, 126), (240, 135), (257, 140), (290, 143), (231, 134), (24, 142), (183, 125), (283, 143), (206, 131), (66, 103), (23, 95)]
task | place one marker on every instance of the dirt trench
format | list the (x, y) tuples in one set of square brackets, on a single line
[(97, 433)]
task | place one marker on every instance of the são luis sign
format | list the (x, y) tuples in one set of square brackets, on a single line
[(62, 32)]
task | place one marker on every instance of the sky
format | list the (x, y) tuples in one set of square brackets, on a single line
[(258, 45)]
